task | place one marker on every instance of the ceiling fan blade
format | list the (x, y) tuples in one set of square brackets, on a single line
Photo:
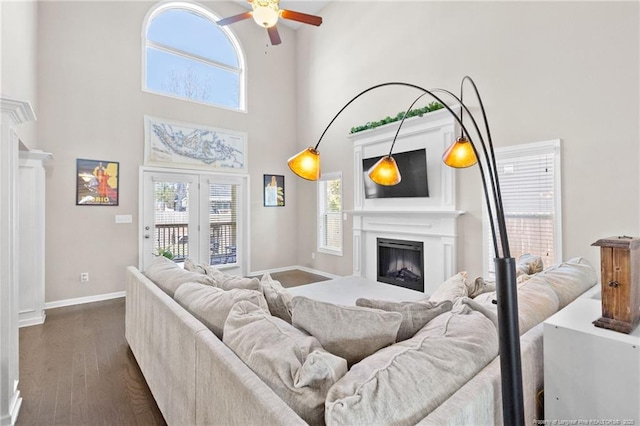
[(234, 18), (274, 36), (301, 17)]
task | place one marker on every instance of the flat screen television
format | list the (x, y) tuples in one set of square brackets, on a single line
[(413, 169)]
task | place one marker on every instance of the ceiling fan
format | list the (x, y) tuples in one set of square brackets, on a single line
[(266, 14)]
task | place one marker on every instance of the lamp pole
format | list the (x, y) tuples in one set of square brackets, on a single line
[(506, 290)]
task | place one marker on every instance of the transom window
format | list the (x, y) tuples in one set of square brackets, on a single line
[(188, 56)]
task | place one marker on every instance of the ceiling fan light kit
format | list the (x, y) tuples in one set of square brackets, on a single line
[(266, 14)]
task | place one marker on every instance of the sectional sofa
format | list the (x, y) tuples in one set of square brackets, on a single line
[(276, 362)]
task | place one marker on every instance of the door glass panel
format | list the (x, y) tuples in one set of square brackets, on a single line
[(223, 214), (171, 219)]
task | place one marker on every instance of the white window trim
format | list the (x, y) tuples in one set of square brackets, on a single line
[(207, 13), (550, 146), (320, 249)]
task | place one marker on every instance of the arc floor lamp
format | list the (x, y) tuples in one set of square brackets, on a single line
[(463, 153)]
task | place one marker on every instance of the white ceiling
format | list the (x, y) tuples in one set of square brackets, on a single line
[(311, 7)]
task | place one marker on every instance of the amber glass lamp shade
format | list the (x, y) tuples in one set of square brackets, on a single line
[(306, 164), (460, 154), (385, 172)]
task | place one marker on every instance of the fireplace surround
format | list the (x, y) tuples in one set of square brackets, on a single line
[(431, 221)]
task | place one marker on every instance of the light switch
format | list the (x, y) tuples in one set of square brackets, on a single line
[(124, 218)]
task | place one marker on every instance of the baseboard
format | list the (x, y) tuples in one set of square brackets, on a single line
[(14, 404), (27, 322), (87, 299), (290, 268)]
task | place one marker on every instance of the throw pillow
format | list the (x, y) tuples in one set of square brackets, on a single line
[(350, 332), (401, 384), (192, 266), (292, 363), (211, 305), (169, 276), (414, 314), (452, 289), (229, 282), (480, 285), (528, 264), (278, 298)]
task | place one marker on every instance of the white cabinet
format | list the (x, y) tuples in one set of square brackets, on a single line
[(590, 373), (31, 208)]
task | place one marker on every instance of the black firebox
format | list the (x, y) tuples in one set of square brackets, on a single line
[(401, 263)]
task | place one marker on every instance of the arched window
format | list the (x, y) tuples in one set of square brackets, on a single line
[(188, 56)]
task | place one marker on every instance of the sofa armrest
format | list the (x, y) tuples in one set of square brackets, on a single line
[(479, 401), (230, 393), (162, 337)]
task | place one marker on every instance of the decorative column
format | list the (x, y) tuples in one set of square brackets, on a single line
[(31, 201), (14, 112)]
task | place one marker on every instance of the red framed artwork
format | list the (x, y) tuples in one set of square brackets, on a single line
[(97, 183)]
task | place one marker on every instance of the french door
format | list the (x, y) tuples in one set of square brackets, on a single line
[(201, 216)]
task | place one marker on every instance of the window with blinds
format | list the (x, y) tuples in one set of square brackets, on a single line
[(330, 214), (530, 184), (223, 220)]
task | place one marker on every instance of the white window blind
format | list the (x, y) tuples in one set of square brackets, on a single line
[(330, 214), (530, 184)]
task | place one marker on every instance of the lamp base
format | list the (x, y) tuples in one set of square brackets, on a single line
[(509, 341)]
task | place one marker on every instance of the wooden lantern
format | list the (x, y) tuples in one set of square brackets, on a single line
[(620, 282)]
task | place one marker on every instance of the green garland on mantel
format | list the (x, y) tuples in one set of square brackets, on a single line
[(433, 106)]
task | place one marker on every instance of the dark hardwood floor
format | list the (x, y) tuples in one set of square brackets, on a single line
[(77, 369), (296, 277)]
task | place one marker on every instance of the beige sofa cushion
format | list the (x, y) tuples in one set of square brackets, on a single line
[(288, 360), (536, 302), (350, 332), (278, 298), (452, 289), (570, 279), (169, 276), (229, 282), (414, 314), (401, 384), (211, 305)]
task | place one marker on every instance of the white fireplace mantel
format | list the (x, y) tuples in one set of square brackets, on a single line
[(430, 220), (426, 213)]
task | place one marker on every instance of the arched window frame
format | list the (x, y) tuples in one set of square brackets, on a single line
[(211, 16)]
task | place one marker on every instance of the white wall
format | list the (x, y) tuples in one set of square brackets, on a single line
[(91, 106), (546, 70), (18, 61)]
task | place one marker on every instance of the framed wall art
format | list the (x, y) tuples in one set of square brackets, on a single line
[(184, 145), (97, 182), (273, 190)]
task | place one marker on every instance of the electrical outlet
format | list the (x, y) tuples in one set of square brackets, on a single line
[(84, 277), (313, 255)]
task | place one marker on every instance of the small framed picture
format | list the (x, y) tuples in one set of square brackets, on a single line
[(97, 182), (273, 190)]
